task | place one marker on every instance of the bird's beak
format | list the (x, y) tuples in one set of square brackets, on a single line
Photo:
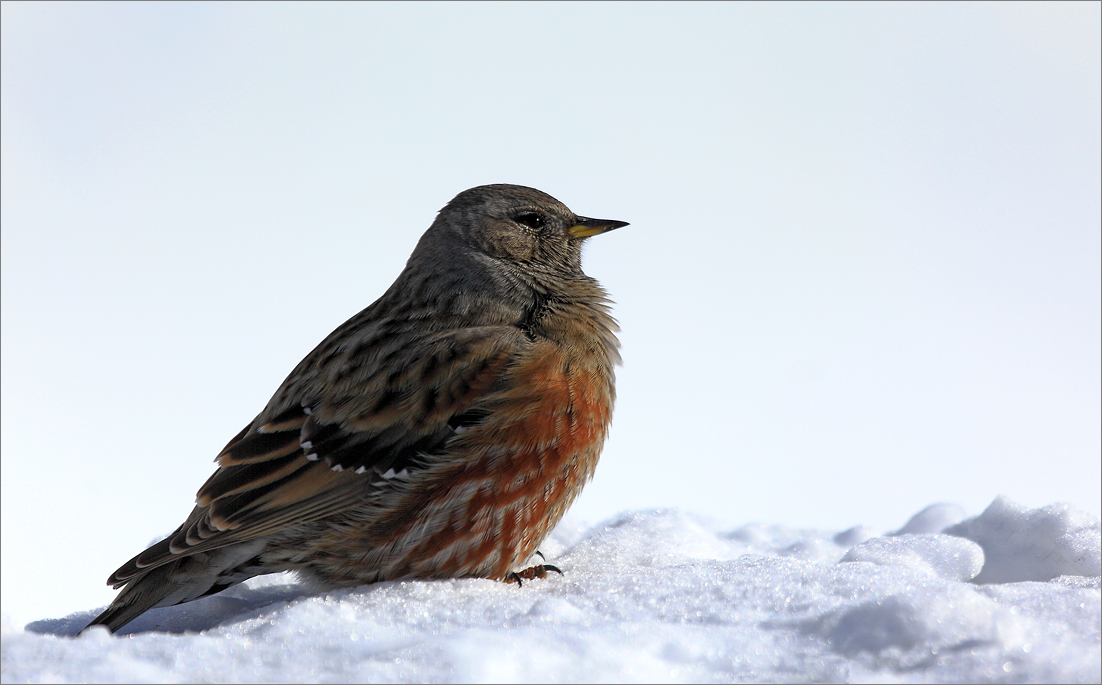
[(586, 227)]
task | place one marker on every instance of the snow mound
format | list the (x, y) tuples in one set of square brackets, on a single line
[(940, 555), (1033, 544), (933, 519), (647, 596)]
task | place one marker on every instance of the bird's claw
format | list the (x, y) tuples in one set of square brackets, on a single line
[(531, 573)]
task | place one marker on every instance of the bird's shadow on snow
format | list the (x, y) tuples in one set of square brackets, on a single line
[(193, 617), (240, 602)]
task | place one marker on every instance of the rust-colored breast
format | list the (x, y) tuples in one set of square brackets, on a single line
[(503, 484)]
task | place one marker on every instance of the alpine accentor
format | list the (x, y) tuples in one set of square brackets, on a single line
[(439, 433)]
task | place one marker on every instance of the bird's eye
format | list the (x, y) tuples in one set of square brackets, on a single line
[(530, 219)]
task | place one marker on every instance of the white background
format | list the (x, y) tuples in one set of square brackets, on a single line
[(862, 275)]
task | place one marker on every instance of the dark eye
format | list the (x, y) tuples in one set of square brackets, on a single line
[(529, 219)]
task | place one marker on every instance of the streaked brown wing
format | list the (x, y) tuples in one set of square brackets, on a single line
[(334, 446)]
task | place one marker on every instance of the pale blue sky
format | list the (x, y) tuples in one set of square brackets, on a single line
[(862, 275)]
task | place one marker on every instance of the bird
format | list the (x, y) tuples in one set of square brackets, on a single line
[(441, 432)]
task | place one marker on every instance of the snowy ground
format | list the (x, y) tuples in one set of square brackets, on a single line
[(1011, 595)]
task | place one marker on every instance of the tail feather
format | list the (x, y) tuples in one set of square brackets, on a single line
[(183, 580)]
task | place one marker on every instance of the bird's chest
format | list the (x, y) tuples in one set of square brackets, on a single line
[(509, 480)]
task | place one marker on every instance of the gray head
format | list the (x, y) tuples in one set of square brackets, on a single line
[(498, 248), (519, 226)]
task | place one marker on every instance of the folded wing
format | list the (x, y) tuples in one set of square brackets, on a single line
[(364, 415)]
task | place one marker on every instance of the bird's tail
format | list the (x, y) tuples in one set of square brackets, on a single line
[(182, 580)]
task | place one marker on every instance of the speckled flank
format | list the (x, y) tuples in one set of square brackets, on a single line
[(503, 486)]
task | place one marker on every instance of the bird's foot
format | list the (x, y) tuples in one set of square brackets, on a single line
[(532, 572)]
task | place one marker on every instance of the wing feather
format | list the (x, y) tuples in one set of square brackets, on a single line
[(338, 424)]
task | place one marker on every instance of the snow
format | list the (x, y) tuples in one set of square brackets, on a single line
[(943, 556), (1010, 595), (1033, 545)]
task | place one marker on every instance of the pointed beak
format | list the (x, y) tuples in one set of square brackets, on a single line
[(585, 227)]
